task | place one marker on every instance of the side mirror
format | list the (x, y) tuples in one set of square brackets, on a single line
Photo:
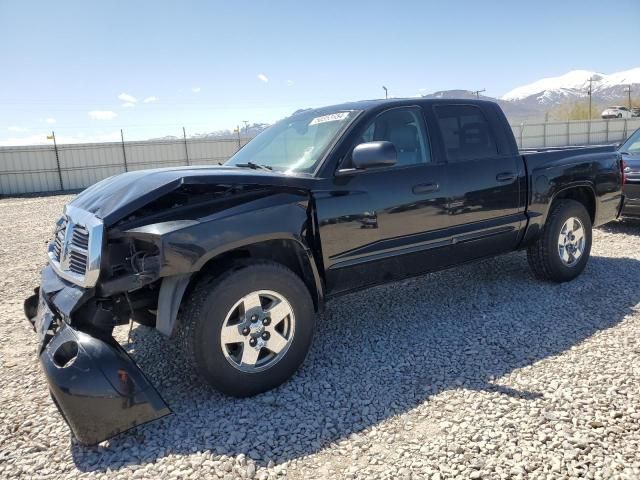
[(374, 154)]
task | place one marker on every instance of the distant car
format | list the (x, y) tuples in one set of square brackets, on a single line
[(630, 151), (635, 112), (616, 112)]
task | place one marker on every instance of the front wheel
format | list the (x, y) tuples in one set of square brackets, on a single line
[(562, 251), (249, 329)]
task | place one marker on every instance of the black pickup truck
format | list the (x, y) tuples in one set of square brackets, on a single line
[(234, 261)]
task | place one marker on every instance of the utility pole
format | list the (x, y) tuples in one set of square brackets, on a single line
[(186, 147), (629, 96), (246, 126), (478, 92), (124, 152), (386, 92), (589, 93), (55, 148)]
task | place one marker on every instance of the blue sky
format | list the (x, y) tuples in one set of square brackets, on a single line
[(211, 65)]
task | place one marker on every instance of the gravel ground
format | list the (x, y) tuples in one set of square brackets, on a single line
[(476, 372)]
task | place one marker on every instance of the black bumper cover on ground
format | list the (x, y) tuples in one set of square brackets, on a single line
[(98, 389)]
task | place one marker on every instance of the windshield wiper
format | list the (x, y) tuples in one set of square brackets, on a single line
[(254, 166)]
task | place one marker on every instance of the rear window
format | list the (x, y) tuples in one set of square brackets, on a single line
[(465, 132)]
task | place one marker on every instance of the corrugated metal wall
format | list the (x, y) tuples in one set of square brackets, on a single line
[(35, 169), (578, 132)]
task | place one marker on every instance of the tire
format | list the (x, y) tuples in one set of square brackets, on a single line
[(546, 256), (619, 115), (213, 304)]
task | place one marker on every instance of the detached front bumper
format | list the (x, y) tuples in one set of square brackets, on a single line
[(97, 387)]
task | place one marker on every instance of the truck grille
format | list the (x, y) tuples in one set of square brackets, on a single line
[(59, 237), (75, 250)]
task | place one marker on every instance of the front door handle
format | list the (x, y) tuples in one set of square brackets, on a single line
[(425, 188), (506, 177)]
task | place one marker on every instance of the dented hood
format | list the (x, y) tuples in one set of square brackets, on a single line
[(116, 197)]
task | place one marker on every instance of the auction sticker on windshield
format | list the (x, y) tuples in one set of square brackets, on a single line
[(332, 117)]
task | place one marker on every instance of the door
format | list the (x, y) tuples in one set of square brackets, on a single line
[(485, 214), (375, 225)]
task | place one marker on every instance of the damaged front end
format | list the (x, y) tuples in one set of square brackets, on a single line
[(126, 248), (97, 387)]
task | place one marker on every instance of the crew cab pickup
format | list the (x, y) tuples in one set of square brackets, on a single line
[(234, 261)]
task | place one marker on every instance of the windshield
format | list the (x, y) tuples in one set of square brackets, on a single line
[(632, 145), (295, 144)]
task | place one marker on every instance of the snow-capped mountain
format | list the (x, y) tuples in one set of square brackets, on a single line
[(575, 84), (514, 110), (248, 131), (549, 97)]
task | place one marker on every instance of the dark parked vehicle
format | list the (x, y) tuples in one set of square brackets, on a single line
[(630, 151), (233, 261)]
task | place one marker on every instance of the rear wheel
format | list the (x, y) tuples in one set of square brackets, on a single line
[(249, 329), (563, 249)]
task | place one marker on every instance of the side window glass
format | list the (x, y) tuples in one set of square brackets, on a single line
[(404, 128), (367, 136), (466, 133)]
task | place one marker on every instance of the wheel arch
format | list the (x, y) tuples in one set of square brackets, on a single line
[(581, 193), (285, 250)]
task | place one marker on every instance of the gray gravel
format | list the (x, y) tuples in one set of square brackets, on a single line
[(476, 372)]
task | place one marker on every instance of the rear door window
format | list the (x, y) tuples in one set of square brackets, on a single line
[(465, 132)]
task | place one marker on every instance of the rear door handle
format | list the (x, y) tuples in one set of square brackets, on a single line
[(506, 177), (425, 188)]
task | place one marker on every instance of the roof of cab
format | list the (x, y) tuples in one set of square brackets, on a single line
[(383, 103)]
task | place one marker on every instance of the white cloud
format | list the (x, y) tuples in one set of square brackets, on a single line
[(17, 129), (289, 83), (50, 120), (102, 114), (151, 99), (196, 89), (263, 78), (128, 105), (125, 97)]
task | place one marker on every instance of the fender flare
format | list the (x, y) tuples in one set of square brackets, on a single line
[(554, 196), (173, 288)]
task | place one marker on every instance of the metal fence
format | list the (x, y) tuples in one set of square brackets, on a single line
[(576, 132), (72, 167)]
